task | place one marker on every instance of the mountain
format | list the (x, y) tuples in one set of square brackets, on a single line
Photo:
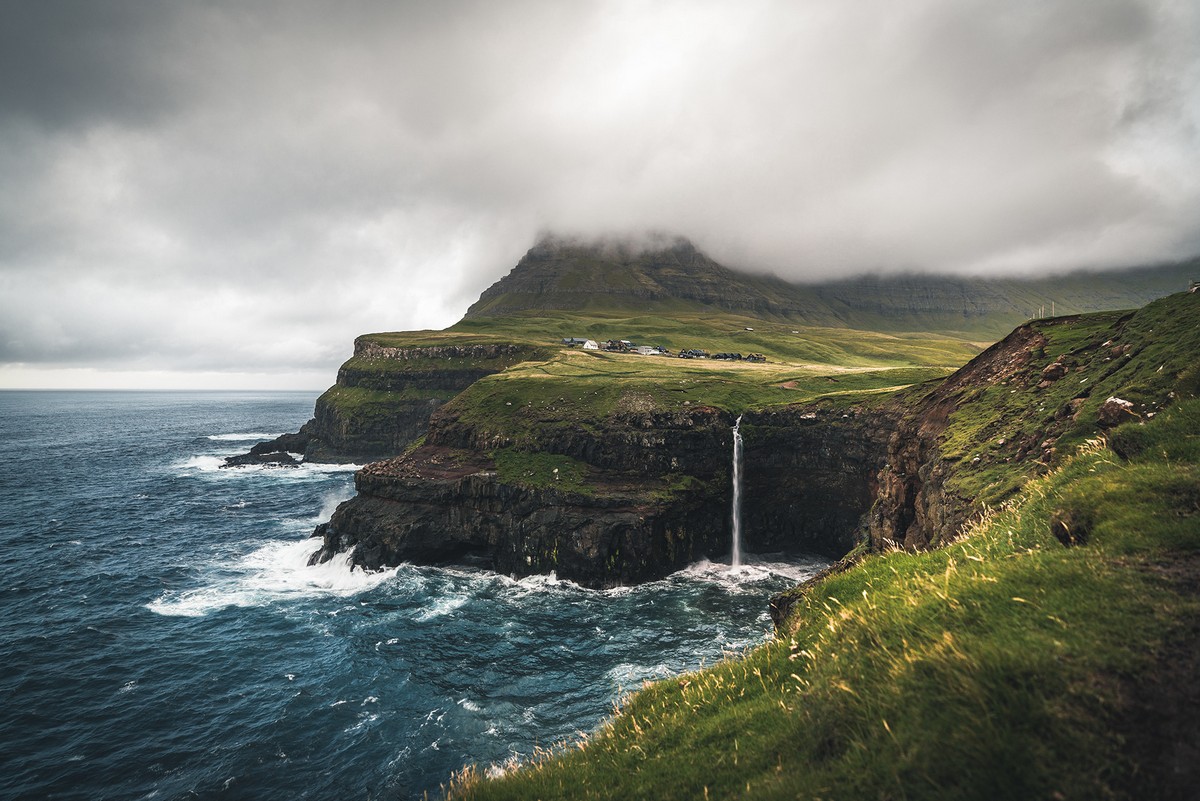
[(672, 275)]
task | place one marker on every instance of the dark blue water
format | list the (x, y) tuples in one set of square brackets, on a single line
[(161, 636)]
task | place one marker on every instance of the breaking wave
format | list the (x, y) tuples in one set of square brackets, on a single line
[(276, 572), (245, 437)]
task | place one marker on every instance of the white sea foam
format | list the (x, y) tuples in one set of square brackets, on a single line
[(278, 571), (330, 502), (441, 606), (213, 465), (202, 463), (628, 676), (752, 570), (243, 437), (364, 720)]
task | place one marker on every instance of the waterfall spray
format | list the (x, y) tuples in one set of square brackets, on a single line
[(736, 559)]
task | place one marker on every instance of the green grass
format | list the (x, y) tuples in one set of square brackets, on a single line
[(541, 386), (994, 423), (995, 667), (725, 332), (592, 390), (542, 470), (362, 405)]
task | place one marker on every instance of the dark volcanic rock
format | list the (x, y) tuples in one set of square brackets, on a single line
[(440, 504), (269, 458), (277, 452), (285, 443), (657, 495), (810, 476)]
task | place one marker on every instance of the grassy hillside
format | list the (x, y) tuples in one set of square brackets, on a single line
[(1003, 666), (718, 332), (527, 403), (1047, 651)]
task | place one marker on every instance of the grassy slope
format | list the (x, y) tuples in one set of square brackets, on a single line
[(799, 355), (996, 667), (1004, 665), (526, 405), (586, 388)]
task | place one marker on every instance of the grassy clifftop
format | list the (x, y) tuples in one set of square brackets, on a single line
[(1048, 650)]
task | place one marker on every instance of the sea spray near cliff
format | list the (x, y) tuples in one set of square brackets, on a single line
[(163, 635)]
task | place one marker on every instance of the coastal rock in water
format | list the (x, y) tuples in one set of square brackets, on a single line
[(285, 443), (266, 458)]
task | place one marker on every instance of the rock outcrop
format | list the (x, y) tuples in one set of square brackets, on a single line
[(648, 500), (384, 397)]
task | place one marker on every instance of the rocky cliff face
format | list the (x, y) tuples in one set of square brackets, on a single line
[(631, 514), (811, 475), (913, 505), (653, 495), (384, 397)]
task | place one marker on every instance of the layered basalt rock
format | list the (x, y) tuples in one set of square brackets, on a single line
[(383, 399), (656, 495), (635, 516), (810, 475)]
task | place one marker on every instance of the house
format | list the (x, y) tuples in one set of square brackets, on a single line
[(574, 342), (648, 350), (591, 344)]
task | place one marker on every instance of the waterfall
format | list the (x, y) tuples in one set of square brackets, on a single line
[(736, 560)]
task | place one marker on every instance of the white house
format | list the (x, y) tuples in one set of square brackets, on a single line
[(591, 344)]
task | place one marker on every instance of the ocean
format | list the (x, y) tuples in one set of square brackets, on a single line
[(162, 636)]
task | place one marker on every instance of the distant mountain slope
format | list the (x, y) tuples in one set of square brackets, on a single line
[(567, 275)]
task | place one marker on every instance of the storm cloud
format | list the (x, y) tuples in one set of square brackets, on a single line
[(237, 189)]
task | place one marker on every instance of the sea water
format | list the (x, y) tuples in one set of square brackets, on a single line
[(162, 636)]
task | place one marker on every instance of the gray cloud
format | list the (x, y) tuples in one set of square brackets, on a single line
[(223, 185)]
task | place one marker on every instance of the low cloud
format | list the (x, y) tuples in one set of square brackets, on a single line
[(232, 186)]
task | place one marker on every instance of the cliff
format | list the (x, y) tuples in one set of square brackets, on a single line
[(631, 487), (385, 394)]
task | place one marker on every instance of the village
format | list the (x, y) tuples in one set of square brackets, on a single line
[(625, 346)]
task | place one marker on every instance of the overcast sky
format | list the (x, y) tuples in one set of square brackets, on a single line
[(223, 194)]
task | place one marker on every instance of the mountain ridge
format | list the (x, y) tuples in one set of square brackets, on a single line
[(671, 275)]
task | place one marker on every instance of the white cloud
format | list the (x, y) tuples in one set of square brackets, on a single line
[(246, 187)]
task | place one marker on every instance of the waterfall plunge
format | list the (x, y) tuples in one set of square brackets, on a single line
[(736, 559)]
